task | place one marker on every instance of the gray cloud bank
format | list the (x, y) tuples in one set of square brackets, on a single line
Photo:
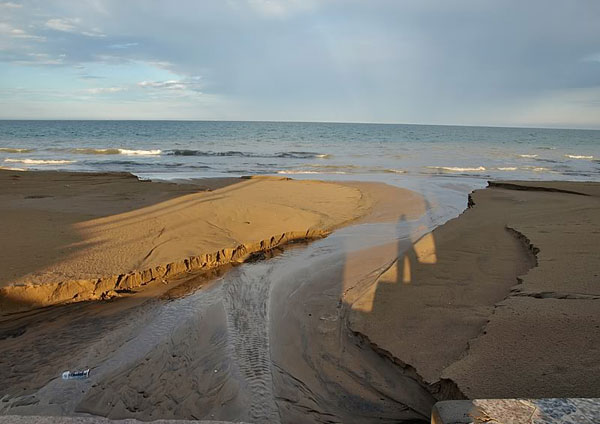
[(500, 62)]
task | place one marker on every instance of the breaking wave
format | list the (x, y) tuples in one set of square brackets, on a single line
[(341, 169), (126, 152), (310, 172), (230, 153), (139, 152), (579, 157), (537, 169), (457, 169), (392, 171), (39, 161)]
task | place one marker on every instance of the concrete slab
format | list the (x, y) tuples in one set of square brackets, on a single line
[(517, 411)]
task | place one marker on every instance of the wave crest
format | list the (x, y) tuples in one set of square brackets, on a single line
[(39, 161), (457, 168), (236, 153), (310, 172), (579, 157), (129, 152), (107, 151)]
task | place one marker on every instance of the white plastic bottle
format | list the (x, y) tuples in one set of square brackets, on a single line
[(71, 375)]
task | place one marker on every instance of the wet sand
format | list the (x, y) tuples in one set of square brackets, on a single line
[(373, 323)]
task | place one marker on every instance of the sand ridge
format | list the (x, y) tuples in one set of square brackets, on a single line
[(92, 253)]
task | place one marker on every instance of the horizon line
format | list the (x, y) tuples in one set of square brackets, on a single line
[(306, 122)]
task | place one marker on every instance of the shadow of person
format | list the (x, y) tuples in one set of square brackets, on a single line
[(439, 292)]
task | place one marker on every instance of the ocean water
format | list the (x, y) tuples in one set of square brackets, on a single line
[(169, 150)]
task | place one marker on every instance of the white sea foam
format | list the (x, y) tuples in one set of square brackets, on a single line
[(528, 156), (139, 152), (108, 151), (39, 161), (507, 168), (323, 156), (579, 157), (392, 171), (457, 169), (536, 169), (330, 167), (310, 172)]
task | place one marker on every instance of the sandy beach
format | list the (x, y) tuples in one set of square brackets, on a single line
[(503, 300), (190, 301), (88, 236), (299, 212)]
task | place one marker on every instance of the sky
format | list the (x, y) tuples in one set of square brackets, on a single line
[(462, 62)]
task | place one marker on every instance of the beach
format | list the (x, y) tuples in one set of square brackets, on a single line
[(89, 235), (299, 212), (276, 300), (504, 303)]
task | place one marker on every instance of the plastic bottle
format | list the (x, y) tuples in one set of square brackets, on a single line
[(71, 375)]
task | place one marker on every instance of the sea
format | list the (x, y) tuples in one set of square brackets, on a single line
[(430, 158)]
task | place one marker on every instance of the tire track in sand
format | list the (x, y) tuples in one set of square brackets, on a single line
[(247, 302)]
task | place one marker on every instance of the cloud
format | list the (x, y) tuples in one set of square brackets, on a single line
[(592, 58), (169, 85), (41, 59), (123, 45), (66, 25), (190, 84), (90, 77), (281, 8), (10, 31), (72, 25), (104, 90), (421, 61), (10, 5)]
